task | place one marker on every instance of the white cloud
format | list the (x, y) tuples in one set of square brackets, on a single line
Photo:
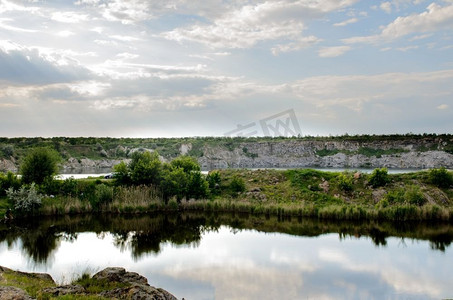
[(68, 17), (4, 25), (333, 51), (299, 44), (346, 22), (386, 6), (250, 24), (407, 48), (65, 33), (442, 106), (435, 18)]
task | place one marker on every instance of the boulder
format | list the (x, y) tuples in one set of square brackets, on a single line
[(13, 293)]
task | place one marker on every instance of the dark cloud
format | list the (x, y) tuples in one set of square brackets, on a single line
[(28, 67)]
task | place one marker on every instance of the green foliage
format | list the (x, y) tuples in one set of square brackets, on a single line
[(327, 152), (345, 182), (103, 196), (414, 195), (145, 168), (379, 177), (198, 187), (174, 183), (8, 181), (395, 196), (7, 151), (187, 163), (214, 182), (237, 185), (39, 164), (122, 174), (25, 201), (440, 177)]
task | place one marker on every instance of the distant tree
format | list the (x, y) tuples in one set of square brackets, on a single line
[(187, 163), (39, 165)]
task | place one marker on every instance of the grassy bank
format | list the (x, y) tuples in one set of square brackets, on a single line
[(304, 193)]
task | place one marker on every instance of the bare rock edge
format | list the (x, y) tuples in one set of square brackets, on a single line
[(136, 286)]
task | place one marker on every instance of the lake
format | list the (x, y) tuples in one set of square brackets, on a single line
[(235, 256)]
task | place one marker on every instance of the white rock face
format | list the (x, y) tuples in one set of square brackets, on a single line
[(293, 154)]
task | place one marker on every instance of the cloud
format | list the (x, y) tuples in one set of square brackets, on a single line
[(4, 25), (333, 51), (23, 65), (442, 107), (299, 44), (386, 6), (246, 26), (69, 17), (435, 18), (346, 22)]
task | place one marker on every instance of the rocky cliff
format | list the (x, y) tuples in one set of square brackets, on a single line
[(336, 152), (331, 154)]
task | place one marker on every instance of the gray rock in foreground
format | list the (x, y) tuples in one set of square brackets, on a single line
[(13, 293), (135, 286), (138, 289)]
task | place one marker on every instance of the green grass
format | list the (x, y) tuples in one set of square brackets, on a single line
[(28, 282)]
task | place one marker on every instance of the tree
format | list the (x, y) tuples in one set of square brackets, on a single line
[(145, 168), (197, 187), (187, 163), (174, 183), (39, 165)]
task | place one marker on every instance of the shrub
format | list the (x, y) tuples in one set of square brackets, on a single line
[(237, 185), (440, 177), (345, 182), (197, 186), (8, 181), (379, 177), (40, 164), (103, 196), (414, 196), (214, 182), (26, 201)]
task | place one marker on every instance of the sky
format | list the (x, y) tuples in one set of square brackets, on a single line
[(176, 68)]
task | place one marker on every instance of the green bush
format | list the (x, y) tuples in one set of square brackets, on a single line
[(197, 187), (414, 196), (214, 181), (440, 177), (103, 196), (237, 185), (379, 177), (345, 182), (25, 201), (39, 165), (8, 181)]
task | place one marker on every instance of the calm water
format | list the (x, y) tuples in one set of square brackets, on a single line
[(242, 257)]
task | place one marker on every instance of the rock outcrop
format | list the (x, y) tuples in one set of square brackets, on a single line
[(133, 286), (418, 153)]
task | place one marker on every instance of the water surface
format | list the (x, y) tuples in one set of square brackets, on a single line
[(242, 257)]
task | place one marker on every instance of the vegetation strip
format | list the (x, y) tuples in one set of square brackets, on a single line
[(146, 184)]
